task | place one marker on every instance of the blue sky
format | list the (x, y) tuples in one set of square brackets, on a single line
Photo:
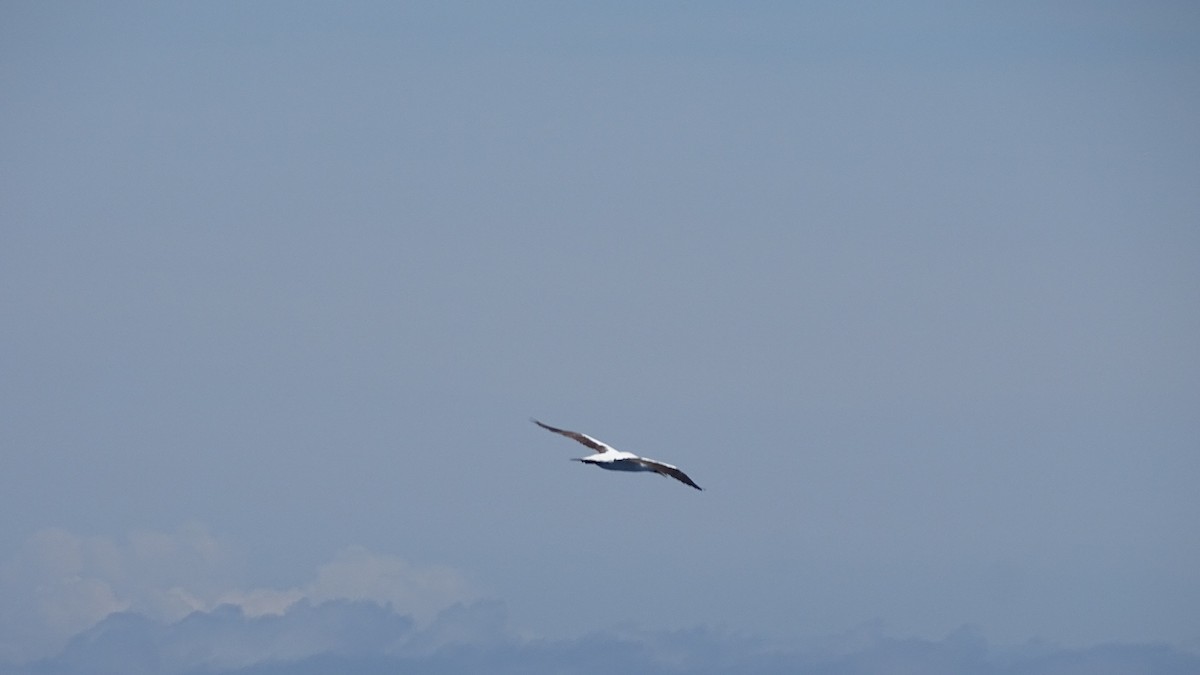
[(911, 290)]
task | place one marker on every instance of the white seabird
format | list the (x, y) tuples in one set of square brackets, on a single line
[(608, 457)]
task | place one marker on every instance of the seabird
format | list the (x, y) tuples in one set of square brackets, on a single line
[(608, 457)]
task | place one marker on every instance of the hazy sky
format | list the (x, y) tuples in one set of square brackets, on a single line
[(912, 289)]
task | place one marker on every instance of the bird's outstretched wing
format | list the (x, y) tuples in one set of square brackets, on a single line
[(667, 470), (575, 435)]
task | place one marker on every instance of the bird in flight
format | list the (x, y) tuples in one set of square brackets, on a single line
[(608, 457)]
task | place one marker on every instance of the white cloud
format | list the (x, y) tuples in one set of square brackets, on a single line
[(357, 574), (420, 591), (49, 593), (262, 601), (61, 583)]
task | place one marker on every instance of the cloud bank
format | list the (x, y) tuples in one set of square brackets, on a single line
[(60, 584), (367, 638), (154, 604)]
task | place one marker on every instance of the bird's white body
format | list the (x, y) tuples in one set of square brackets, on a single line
[(618, 460)]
